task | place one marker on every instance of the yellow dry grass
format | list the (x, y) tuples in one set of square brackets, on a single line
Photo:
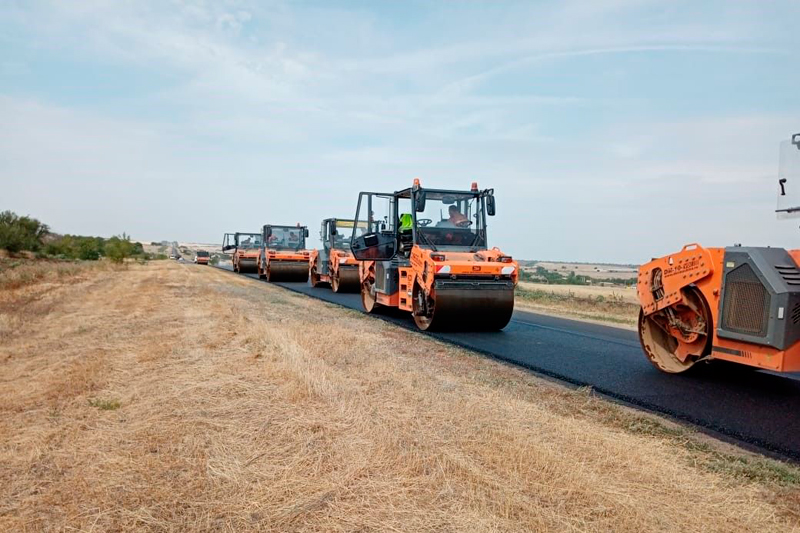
[(20, 272), (173, 397), (592, 304), (627, 295)]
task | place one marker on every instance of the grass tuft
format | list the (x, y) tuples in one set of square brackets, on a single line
[(105, 405)]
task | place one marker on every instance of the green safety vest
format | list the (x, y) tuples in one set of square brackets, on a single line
[(405, 222)]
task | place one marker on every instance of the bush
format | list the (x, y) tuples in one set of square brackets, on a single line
[(21, 233), (117, 249), (88, 254), (90, 248), (76, 247)]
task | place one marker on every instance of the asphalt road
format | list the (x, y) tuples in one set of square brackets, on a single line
[(754, 408)]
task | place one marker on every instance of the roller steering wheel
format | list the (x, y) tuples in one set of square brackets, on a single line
[(424, 222), (464, 224)]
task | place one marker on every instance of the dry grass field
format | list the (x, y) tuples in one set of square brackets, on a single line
[(627, 295), (609, 305), (173, 397)]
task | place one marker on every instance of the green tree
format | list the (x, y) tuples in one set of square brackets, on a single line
[(75, 247), (90, 249), (117, 249), (21, 233)]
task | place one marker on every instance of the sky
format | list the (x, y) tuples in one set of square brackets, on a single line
[(610, 130)]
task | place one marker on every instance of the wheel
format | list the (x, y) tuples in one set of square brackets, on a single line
[(335, 281), (423, 308), (675, 338), (369, 298)]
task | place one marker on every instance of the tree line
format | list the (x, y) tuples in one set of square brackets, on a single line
[(27, 234)]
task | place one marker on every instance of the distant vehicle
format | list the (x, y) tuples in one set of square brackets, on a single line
[(172, 256), (201, 258), (181, 260)]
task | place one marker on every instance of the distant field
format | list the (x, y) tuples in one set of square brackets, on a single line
[(590, 270), (584, 291), (201, 246)]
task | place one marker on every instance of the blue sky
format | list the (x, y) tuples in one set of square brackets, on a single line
[(611, 131)]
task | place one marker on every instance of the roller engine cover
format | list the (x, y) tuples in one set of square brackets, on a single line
[(760, 298)]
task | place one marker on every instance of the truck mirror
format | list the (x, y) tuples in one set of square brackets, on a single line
[(490, 206), (333, 231), (305, 232), (419, 201), (796, 140)]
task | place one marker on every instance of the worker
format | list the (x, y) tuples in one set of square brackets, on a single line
[(405, 223), (456, 217), (406, 240)]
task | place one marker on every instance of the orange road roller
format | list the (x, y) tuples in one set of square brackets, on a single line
[(283, 255), (335, 264), (246, 248), (425, 251), (202, 257), (738, 304)]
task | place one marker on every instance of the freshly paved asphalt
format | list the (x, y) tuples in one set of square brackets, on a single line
[(757, 409)]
